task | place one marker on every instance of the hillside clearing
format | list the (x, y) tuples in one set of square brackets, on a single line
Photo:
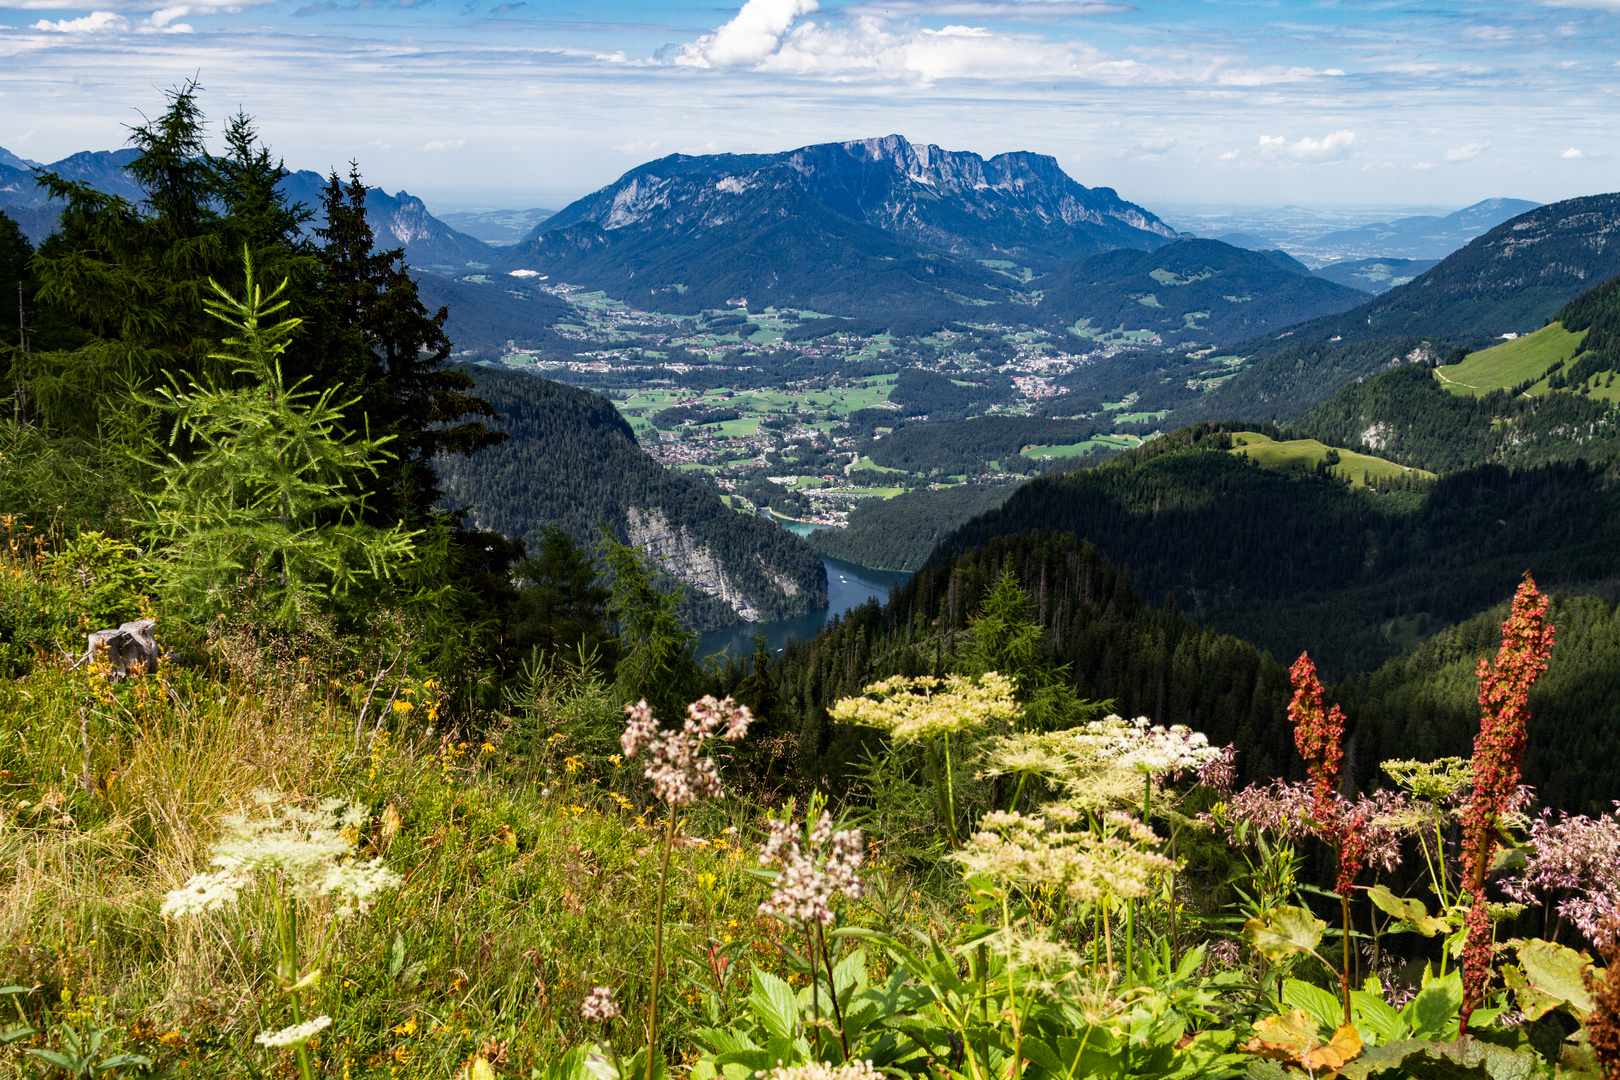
[(1511, 363), (1303, 454)]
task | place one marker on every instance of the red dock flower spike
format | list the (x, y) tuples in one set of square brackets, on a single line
[(1317, 733), (1504, 701)]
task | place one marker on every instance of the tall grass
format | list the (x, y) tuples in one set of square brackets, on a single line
[(529, 859)]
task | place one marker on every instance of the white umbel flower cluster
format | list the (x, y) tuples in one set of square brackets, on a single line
[(599, 1005), (1149, 748), (1036, 852), (849, 1070), (814, 875), (294, 1036), (679, 773), (924, 708), (312, 851)]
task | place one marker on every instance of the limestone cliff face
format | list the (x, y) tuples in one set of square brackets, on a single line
[(685, 557)]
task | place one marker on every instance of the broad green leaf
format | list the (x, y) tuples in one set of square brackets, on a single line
[(774, 1004), (1468, 1057), (1555, 970), (1377, 1059), (1411, 913), (1285, 1037), (1285, 932), (851, 971), (73, 1065), (396, 955), (1323, 1007), (1378, 1021), (1534, 1003), (1435, 1008)]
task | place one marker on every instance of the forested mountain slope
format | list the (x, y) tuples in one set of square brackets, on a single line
[(1156, 662), (1550, 396), (398, 220), (1191, 291), (1426, 704), (573, 461), (1510, 280), (902, 532), (1294, 562)]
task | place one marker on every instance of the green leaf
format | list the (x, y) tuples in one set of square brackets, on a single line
[(1555, 970), (1435, 1007), (1322, 1006), (74, 1065), (851, 972), (118, 1061), (1410, 913), (1377, 1021), (775, 1004), (1285, 932), (396, 955)]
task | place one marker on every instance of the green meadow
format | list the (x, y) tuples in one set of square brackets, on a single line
[(1303, 454), (1512, 362)]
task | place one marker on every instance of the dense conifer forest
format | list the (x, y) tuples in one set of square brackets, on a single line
[(1293, 562)]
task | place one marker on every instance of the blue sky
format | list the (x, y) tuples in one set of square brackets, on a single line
[(509, 103)]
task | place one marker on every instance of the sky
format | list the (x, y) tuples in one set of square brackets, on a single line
[(487, 104)]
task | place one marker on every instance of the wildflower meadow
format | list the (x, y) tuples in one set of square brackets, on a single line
[(278, 856)]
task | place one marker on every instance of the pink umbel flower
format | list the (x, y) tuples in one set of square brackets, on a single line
[(813, 874), (1577, 857), (1504, 701), (679, 773)]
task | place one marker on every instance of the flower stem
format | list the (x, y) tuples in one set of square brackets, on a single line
[(950, 795), (658, 945), (832, 983)]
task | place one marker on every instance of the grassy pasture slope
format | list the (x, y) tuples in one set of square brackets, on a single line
[(1512, 362), (1305, 453)]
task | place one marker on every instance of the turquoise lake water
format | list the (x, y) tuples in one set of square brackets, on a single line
[(848, 586)]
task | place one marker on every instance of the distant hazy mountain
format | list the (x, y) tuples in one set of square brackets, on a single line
[(398, 220), (15, 162), (1511, 280), (1200, 291), (1422, 237), (497, 228), (1246, 240), (877, 227), (1376, 276)]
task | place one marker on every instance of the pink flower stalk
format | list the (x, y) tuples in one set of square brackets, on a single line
[(1318, 734), (1504, 701)]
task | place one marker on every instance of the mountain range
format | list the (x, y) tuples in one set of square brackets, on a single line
[(399, 220), (1190, 291), (872, 227), (1422, 236)]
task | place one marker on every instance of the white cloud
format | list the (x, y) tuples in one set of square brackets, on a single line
[(1467, 153), (1229, 155), (1420, 166), (94, 23), (637, 146), (751, 36), (863, 40), (445, 144), (1571, 154), (1001, 9), (1331, 147)]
